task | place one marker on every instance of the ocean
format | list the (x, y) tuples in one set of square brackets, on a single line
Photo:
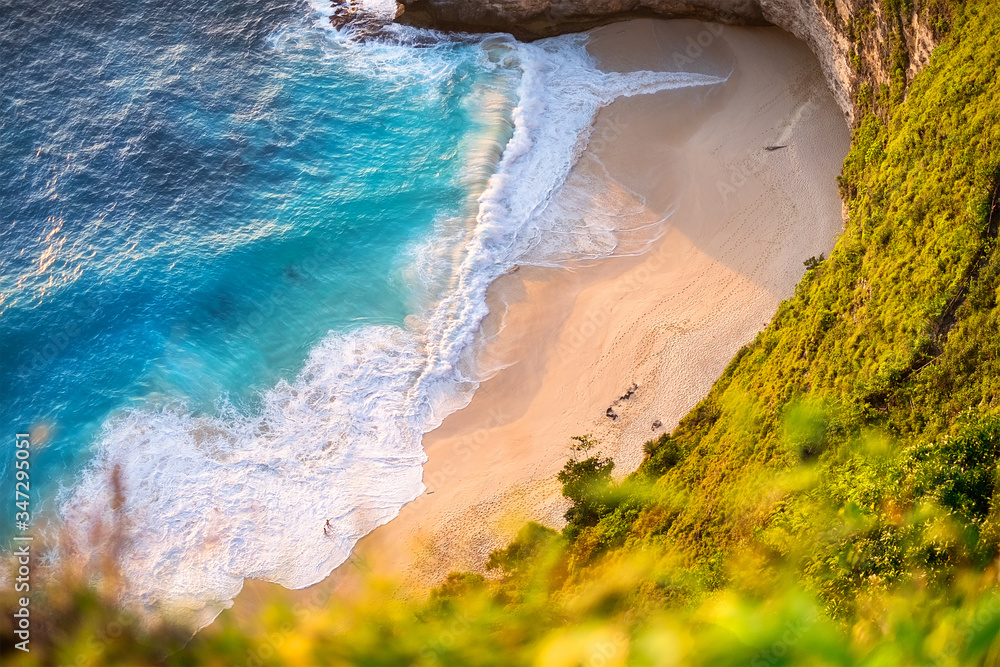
[(245, 258)]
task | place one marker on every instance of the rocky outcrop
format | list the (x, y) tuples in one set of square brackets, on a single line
[(550, 16), (869, 49), (807, 21)]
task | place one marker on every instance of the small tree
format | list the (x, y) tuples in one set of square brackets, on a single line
[(814, 262), (586, 482)]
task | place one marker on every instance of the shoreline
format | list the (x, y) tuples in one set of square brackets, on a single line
[(569, 342)]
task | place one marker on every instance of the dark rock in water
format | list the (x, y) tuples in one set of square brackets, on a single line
[(351, 15), (657, 424), (612, 415)]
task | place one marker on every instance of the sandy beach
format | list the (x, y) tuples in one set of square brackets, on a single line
[(719, 196)]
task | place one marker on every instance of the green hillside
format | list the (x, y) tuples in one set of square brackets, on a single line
[(834, 500)]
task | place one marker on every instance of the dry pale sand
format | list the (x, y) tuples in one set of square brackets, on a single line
[(734, 223)]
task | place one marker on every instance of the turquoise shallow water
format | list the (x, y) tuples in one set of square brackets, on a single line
[(244, 260), (195, 196), (193, 203)]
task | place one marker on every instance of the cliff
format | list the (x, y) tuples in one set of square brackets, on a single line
[(869, 49)]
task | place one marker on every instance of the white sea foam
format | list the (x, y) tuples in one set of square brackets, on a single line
[(210, 501)]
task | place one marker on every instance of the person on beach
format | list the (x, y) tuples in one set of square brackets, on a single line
[(327, 528)]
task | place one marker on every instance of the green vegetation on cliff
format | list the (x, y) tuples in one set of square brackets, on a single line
[(834, 500)]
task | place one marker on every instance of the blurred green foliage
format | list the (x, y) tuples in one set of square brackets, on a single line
[(834, 500)]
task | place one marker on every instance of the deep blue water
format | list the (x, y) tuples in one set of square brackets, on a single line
[(192, 199)]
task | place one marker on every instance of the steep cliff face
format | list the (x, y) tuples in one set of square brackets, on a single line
[(869, 49)]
